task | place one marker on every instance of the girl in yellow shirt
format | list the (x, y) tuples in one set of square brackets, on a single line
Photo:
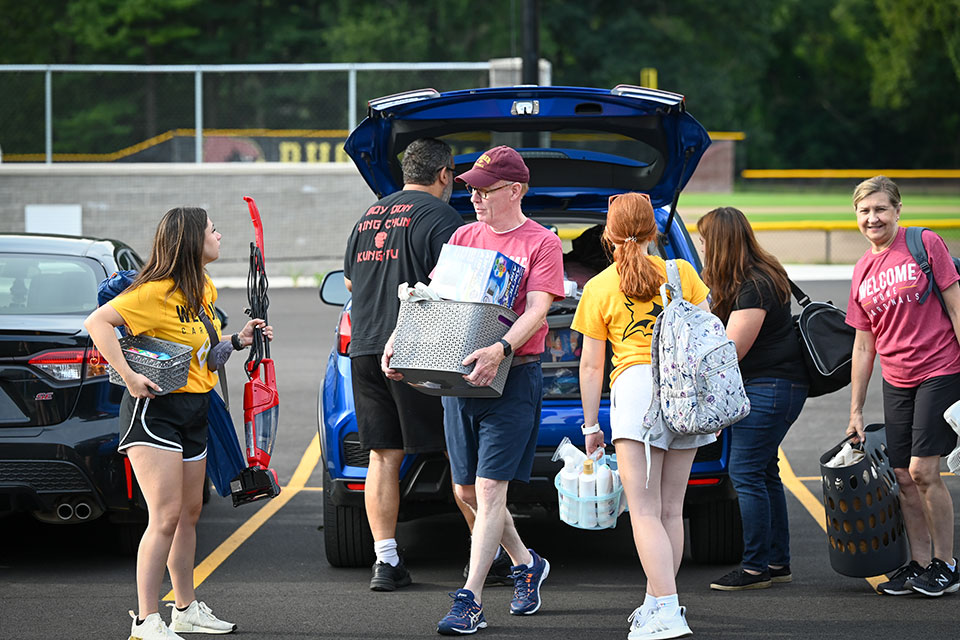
[(620, 305), (165, 436)]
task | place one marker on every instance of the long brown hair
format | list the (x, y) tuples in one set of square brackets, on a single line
[(177, 253), (630, 227), (733, 257)]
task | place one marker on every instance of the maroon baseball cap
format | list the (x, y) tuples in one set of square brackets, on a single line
[(499, 163)]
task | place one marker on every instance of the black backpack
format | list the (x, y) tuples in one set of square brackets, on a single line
[(919, 253)]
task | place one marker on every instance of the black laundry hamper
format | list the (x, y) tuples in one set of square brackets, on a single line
[(862, 501)]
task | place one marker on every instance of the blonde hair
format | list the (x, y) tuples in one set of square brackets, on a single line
[(877, 184)]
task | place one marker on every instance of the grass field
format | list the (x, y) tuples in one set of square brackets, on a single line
[(800, 207)]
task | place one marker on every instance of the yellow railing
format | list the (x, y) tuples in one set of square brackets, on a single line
[(827, 226)]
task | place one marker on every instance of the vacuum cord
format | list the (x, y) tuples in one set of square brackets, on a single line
[(258, 303)]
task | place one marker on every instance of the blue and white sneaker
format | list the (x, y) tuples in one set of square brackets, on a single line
[(466, 616), (526, 585)]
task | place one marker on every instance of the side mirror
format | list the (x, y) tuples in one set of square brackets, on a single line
[(223, 317), (333, 290)]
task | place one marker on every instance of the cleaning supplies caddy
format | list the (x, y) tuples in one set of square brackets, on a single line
[(588, 488)]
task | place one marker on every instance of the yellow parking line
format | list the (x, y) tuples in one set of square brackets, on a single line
[(813, 506), (297, 484)]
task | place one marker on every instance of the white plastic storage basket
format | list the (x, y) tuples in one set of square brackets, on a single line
[(166, 363), (607, 507), (434, 337)]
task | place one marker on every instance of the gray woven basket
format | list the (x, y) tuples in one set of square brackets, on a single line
[(169, 375), (433, 338)]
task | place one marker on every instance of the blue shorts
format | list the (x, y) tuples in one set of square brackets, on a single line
[(495, 438)]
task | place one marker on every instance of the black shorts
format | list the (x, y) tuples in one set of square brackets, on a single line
[(174, 422), (914, 419), (391, 414)]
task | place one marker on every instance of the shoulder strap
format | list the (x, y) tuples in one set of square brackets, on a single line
[(214, 339), (919, 254), (674, 282), (802, 298)]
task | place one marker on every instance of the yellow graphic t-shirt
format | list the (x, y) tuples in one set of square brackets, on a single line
[(148, 310), (606, 313)]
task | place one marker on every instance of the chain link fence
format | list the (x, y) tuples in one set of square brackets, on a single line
[(53, 113)]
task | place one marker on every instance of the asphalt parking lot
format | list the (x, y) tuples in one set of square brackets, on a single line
[(262, 566)]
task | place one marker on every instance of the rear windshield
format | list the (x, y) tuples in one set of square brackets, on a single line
[(45, 285), (626, 155)]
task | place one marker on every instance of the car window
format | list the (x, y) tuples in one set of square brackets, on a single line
[(127, 259), (43, 284)]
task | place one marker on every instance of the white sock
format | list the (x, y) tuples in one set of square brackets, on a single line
[(953, 564), (649, 604), (668, 604), (386, 551)]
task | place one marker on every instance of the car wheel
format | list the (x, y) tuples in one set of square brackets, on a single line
[(716, 532), (346, 533), (206, 489), (128, 536)]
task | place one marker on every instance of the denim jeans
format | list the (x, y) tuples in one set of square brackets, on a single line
[(775, 404)]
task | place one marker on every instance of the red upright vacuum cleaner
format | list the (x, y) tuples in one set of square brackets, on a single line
[(261, 402)]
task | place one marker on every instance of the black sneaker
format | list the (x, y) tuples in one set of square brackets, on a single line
[(387, 577), (936, 580), (895, 586), (781, 575), (500, 574), (740, 580)]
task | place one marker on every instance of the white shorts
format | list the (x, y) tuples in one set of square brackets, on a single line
[(630, 397)]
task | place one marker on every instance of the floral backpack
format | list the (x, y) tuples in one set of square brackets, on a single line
[(697, 388)]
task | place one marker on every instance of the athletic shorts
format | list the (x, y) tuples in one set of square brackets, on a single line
[(914, 419), (174, 422), (496, 438), (630, 398), (391, 414)]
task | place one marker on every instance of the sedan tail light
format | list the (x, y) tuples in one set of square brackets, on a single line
[(70, 364), (343, 333)]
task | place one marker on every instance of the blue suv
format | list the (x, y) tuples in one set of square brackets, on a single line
[(581, 145)]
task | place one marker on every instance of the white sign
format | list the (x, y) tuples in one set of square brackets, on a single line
[(54, 218)]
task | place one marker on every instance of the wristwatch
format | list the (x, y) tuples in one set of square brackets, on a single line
[(507, 349), (594, 428), (235, 341)]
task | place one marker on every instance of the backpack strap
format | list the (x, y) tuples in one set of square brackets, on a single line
[(221, 369), (673, 285), (802, 298), (919, 254)]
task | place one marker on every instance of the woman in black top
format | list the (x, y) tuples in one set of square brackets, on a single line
[(751, 294)]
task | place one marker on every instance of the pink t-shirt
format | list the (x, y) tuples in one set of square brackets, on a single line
[(537, 250), (915, 341)]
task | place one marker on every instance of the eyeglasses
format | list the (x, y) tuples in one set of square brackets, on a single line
[(485, 193), (451, 169)]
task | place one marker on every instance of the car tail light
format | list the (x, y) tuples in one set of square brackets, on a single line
[(70, 364), (702, 481), (343, 333), (355, 486)]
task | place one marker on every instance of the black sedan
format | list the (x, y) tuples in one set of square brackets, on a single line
[(58, 411)]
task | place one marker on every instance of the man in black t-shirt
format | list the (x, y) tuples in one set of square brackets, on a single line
[(398, 239)]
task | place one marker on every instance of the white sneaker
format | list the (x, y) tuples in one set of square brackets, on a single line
[(198, 618), (639, 617), (661, 625), (152, 628)]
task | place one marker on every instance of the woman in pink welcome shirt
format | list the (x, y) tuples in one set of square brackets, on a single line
[(920, 361)]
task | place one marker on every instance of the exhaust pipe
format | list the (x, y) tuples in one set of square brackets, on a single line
[(65, 511), (82, 510)]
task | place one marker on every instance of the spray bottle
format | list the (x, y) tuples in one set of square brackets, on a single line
[(588, 490), (572, 458), (605, 514)]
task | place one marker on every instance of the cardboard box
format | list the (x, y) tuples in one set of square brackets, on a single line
[(466, 274)]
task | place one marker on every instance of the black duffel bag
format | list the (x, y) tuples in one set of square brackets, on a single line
[(826, 342)]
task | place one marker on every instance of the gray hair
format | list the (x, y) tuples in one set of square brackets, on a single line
[(877, 184), (423, 159)]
